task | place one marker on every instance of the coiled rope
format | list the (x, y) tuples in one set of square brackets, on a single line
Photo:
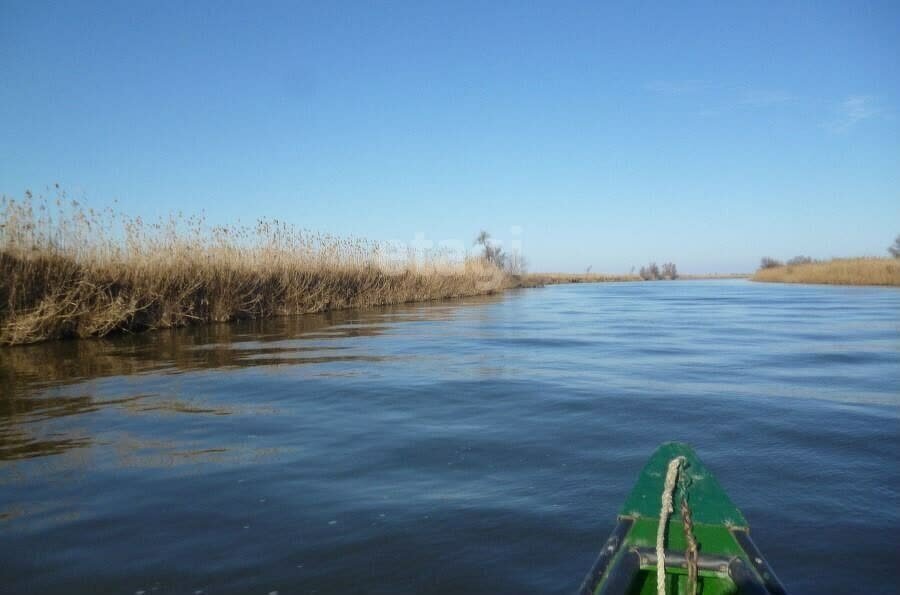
[(673, 475)]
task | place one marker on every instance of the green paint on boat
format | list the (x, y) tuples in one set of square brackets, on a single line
[(729, 561), (710, 505)]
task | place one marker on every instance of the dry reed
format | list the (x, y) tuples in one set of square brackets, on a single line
[(839, 271), (70, 271)]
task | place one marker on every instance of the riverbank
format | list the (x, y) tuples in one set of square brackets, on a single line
[(541, 279), (49, 296), (839, 271), (66, 271)]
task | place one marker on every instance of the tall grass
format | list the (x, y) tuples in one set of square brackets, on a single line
[(70, 271), (839, 271)]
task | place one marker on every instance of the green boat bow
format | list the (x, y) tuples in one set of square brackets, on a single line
[(724, 560)]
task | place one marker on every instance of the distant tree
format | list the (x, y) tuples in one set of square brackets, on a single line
[(669, 271), (768, 262), (800, 260), (894, 249), (492, 252)]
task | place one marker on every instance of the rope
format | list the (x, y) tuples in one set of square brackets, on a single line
[(690, 554), (664, 512)]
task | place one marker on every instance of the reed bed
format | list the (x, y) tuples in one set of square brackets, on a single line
[(839, 271), (71, 271)]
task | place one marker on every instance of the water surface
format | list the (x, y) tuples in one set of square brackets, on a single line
[(476, 446)]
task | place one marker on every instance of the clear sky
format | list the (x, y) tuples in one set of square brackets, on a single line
[(594, 133)]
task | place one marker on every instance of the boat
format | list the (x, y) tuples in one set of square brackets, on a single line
[(678, 532)]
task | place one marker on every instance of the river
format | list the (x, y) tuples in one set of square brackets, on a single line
[(474, 446)]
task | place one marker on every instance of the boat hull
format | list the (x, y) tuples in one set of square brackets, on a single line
[(728, 561)]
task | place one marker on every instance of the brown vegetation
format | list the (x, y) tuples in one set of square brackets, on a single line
[(839, 271), (66, 271)]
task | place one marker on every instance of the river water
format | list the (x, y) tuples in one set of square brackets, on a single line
[(475, 446)]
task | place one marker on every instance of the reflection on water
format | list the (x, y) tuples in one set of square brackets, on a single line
[(474, 446), (34, 378), (214, 346)]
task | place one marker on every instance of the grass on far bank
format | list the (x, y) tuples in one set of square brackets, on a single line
[(839, 271), (68, 271), (540, 279)]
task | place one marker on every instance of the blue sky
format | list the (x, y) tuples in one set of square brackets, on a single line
[(709, 134)]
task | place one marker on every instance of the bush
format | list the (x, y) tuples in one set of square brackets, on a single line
[(514, 263), (800, 260), (650, 272)]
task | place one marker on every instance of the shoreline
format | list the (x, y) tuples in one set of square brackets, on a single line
[(55, 298), (68, 271), (541, 279), (50, 296), (871, 272), (95, 302)]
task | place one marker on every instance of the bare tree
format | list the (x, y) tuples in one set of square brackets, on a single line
[(669, 271), (768, 262), (492, 252)]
